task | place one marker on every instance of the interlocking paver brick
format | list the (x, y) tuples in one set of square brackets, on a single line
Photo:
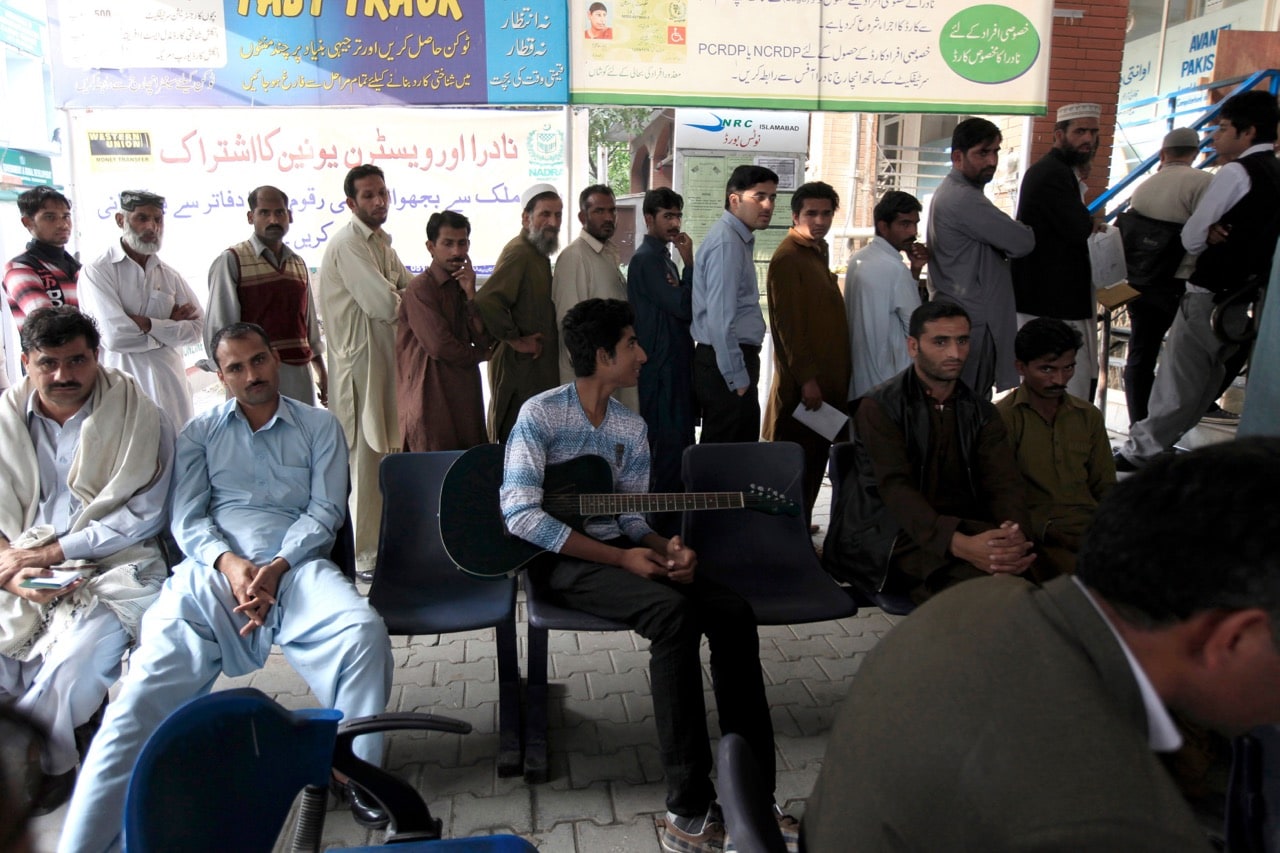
[(552, 806), (564, 665), (509, 812)]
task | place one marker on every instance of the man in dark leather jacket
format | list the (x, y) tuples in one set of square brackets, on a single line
[(933, 496)]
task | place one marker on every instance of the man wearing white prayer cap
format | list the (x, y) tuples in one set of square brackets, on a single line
[(1055, 280), (515, 304)]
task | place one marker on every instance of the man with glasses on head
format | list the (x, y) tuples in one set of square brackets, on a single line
[(144, 307), (728, 324)]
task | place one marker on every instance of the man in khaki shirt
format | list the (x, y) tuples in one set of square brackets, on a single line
[(1059, 443)]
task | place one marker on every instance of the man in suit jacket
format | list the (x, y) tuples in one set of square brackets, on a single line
[(1005, 716)]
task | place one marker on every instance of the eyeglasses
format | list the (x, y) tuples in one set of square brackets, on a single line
[(129, 199), (22, 742)]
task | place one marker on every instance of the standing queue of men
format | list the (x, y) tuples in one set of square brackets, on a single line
[(964, 488)]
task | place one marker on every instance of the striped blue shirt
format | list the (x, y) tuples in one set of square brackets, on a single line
[(553, 428)]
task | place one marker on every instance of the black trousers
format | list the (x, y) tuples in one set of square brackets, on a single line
[(726, 415), (674, 617), (1150, 317)]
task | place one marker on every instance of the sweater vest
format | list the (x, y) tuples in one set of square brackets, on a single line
[(1254, 223), (275, 299)]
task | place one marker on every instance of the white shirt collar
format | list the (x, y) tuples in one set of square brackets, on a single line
[(1162, 734)]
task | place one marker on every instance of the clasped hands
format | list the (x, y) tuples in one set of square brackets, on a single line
[(253, 586), (1004, 550), (676, 562)]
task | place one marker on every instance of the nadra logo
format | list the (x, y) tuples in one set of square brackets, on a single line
[(721, 124)]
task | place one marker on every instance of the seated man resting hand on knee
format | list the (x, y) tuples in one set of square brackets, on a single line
[(640, 578), (259, 494)]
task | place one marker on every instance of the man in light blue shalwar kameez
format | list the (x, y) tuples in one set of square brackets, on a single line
[(260, 489)]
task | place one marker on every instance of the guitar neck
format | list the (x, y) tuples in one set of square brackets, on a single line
[(619, 504)]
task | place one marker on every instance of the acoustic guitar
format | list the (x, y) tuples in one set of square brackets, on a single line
[(476, 537)]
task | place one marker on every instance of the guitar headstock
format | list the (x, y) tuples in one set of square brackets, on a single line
[(768, 501)]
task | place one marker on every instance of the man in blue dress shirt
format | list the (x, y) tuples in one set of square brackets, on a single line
[(260, 492), (728, 324)]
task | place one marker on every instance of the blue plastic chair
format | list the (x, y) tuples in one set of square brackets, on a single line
[(767, 559), (417, 589), (222, 771)]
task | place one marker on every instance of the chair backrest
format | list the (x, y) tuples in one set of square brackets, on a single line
[(417, 587), (745, 799), (409, 540), (222, 771), (732, 544), (343, 553)]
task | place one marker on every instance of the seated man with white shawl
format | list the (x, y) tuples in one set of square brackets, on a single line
[(85, 462)]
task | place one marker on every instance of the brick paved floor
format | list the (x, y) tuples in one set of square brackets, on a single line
[(606, 784)]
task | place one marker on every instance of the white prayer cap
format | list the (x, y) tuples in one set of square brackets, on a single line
[(1067, 112), (535, 190)]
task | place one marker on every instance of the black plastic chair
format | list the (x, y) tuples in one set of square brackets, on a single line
[(840, 461), (767, 559), (250, 758), (418, 590), (745, 799), (546, 615)]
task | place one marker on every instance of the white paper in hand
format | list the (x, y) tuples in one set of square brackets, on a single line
[(826, 421)]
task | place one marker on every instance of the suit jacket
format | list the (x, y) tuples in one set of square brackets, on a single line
[(1000, 716)]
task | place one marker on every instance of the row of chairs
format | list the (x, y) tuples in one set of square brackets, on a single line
[(417, 589), (768, 559)]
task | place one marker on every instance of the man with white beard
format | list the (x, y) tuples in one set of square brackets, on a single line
[(144, 308)]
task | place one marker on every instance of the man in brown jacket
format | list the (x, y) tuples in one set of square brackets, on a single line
[(811, 363)]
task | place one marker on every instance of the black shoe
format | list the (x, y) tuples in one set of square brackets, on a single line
[(53, 792), (84, 733), (1123, 465), (364, 808)]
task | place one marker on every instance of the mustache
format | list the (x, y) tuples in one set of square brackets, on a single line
[(66, 385)]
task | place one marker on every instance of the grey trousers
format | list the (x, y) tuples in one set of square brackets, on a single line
[(1188, 380)]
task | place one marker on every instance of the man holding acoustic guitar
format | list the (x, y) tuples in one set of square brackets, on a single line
[(620, 569)]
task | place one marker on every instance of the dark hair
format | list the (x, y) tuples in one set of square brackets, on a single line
[(816, 190), (973, 131), (591, 325), (30, 202), (1045, 337), (446, 219), (661, 199), (594, 189), (1188, 533), (364, 170), (930, 311), (47, 328), (266, 188), (236, 332), (745, 177), (597, 7), (1256, 108), (896, 203)]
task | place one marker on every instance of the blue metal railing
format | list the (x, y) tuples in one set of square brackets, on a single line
[(1207, 119)]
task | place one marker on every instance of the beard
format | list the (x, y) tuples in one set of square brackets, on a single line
[(545, 242), (1076, 158), (134, 241)]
